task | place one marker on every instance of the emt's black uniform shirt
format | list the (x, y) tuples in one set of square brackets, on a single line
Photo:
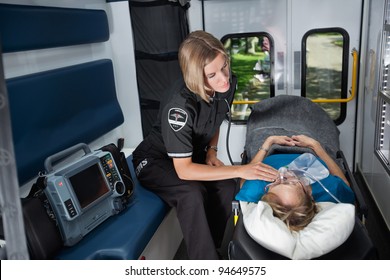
[(186, 124)]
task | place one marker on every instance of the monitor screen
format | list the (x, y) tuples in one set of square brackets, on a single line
[(89, 185)]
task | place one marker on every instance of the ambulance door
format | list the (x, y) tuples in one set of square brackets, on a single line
[(324, 46)]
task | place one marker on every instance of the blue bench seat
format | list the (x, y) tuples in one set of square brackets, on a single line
[(69, 105)]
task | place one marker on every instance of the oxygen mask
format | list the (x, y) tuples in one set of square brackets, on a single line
[(289, 177)]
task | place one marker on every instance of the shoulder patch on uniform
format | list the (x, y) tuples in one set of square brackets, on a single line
[(177, 118)]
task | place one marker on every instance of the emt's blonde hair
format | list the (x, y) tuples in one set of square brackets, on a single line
[(197, 50)]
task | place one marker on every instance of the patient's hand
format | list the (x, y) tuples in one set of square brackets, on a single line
[(275, 139), (306, 141), (280, 140)]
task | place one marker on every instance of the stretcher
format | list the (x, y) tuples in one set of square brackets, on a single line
[(292, 115)]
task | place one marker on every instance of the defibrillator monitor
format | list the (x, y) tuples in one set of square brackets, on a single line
[(84, 185), (83, 193), (89, 185)]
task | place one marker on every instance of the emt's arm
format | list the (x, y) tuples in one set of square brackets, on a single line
[(188, 170)]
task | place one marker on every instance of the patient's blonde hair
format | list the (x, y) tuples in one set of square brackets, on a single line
[(197, 50), (295, 217)]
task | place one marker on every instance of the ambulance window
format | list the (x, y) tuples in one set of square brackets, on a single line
[(382, 127), (382, 143), (325, 69), (251, 60)]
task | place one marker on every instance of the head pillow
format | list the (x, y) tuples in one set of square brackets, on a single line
[(329, 229)]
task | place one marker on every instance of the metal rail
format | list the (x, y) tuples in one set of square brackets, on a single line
[(10, 202)]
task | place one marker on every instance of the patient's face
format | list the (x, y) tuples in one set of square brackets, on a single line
[(289, 189), (289, 193)]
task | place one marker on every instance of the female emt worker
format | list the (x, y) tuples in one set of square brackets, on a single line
[(178, 159)]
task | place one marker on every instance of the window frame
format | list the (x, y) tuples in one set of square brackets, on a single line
[(344, 66), (272, 62), (383, 101)]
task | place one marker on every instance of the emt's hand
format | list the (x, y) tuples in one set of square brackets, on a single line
[(258, 170), (211, 159)]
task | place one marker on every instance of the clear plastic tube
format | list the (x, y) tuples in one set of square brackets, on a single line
[(318, 181)]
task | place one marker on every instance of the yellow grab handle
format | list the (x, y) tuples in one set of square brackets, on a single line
[(352, 91)]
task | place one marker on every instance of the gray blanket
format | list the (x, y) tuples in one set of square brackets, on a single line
[(290, 115)]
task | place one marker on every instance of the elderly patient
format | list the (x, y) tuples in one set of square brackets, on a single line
[(291, 197)]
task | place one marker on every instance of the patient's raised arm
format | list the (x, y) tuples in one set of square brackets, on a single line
[(275, 139), (306, 141)]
